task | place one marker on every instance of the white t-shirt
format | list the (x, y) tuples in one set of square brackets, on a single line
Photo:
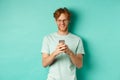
[(62, 68)]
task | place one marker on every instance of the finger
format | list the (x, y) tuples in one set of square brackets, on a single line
[(61, 49)]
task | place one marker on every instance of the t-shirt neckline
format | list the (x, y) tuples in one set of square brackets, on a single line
[(56, 33)]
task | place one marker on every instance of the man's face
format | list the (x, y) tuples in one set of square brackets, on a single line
[(62, 23)]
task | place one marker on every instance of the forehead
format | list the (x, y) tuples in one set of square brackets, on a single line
[(62, 16)]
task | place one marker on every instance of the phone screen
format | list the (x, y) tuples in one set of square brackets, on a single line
[(61, 41)]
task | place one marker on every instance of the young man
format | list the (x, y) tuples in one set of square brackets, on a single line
[(62, 51)]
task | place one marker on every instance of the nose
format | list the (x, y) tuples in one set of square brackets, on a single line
[(62, 21)]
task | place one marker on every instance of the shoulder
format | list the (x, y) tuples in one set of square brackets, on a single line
[(49, 36), (73, 36)]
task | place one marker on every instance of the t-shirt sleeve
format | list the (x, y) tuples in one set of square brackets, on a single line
[(45, 45), (80, 48)]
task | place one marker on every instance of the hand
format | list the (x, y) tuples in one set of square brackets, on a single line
[(67, 50), (59, 49)]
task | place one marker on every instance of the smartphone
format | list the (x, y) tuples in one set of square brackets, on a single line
[(62, 41)]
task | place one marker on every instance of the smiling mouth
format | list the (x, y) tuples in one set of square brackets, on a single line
[(62, 27)]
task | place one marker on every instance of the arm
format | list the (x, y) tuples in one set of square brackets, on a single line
[(76, 59), (47, 59)]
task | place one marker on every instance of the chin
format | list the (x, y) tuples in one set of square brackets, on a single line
[(63, 30)]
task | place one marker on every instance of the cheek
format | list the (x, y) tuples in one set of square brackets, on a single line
[(58, 24)]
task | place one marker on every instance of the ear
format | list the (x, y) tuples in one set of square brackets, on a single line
[(69, 21), (55, 20)]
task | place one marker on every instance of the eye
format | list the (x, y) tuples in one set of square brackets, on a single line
[(65, 20)]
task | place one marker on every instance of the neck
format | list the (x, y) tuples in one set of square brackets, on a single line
[(63, 33)]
